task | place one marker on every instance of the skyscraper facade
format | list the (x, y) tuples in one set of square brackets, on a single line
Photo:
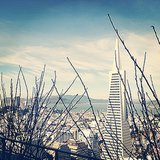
[(117, 134)]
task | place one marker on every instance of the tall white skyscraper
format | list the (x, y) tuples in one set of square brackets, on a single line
[(116, 134)]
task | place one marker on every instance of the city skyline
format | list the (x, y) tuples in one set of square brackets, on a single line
[(36, 33)]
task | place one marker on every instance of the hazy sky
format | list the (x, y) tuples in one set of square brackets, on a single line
[(38, 32)]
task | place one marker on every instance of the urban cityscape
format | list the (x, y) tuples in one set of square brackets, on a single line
[(55, 115), (82, 132)]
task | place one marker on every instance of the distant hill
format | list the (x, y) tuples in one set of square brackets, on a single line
[(67, 99)]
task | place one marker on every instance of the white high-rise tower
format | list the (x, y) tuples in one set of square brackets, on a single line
[(116, 134)]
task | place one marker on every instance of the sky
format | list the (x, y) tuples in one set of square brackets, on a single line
[(37, 32)]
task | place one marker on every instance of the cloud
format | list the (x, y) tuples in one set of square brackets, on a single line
[(138, 45), (93, 59)]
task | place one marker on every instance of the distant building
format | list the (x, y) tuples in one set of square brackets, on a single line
[(17, 101), (86, 132), (64, 156), (63, 136), (75, 133), (94, 141), (116, 134), (78, 147)]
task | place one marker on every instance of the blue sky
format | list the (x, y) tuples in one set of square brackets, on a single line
[(38, 32)]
